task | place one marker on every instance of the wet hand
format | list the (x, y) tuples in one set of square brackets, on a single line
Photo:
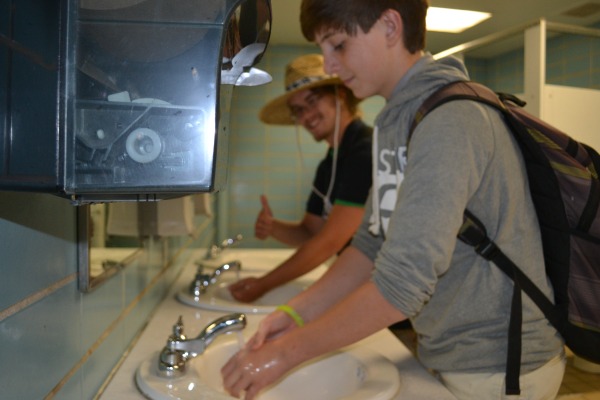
[(251, 370), (247, 290), (264, 222), (271, 327)]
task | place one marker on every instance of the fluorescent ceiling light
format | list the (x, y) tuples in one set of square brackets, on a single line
[(452, 20)]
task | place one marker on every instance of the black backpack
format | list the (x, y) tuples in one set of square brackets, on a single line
[(564, 185)]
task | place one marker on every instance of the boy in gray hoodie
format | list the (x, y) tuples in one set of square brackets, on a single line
[(406, 261)]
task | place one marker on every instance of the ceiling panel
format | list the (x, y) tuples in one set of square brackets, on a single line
[(506, 14)]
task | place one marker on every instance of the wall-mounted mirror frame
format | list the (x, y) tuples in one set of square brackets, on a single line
[(96, 264)]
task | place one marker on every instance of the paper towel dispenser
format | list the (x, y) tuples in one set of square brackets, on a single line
[(120, 100)]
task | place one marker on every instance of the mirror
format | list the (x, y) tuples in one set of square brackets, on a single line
[(101, 254), (112, 235)]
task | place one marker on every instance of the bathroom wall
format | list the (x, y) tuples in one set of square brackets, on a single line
[(56, 342), (265, 159), (571, 60)]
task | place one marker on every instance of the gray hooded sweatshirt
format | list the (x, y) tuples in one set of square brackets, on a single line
[(460, 156)]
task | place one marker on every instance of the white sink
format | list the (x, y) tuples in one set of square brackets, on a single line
[(354, 373), (255, 262), (252, 259), (218, 298)]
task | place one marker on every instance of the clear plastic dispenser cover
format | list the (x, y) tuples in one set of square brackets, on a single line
[(148, 86)]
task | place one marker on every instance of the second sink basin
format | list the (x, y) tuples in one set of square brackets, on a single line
[(219, 298), (255, 262), (355, 373)]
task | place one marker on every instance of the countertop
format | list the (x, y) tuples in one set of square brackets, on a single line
[(415, 382)]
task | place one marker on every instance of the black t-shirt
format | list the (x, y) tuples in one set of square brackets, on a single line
[(353, 174)]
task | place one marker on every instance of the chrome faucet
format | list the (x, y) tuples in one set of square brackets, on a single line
[(215, 250), (179, 349), (202, 281)]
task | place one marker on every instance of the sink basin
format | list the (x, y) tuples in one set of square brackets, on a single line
[(252, 259), (255, 262), (219, 298), (355, 373)]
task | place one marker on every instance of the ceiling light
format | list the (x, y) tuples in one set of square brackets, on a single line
[(452, 20)]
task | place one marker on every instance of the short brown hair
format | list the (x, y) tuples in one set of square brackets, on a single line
[(348, 15)]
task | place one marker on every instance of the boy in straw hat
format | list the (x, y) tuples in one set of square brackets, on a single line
[(329, 112), (405, 260)]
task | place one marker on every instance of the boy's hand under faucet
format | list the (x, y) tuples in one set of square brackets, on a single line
[(269, 329)]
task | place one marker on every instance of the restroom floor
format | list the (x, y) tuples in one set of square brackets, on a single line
[(576, 384)]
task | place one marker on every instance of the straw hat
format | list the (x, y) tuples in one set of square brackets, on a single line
[(305, 72)]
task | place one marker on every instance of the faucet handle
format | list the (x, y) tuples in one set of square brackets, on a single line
[(215, 250), (199, 267), (231, 241), (191, 348), (172, 363), (199, 284), (212, 252), (178, 330)]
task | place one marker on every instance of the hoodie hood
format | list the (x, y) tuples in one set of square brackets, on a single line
[(425, 77), (393, 122)]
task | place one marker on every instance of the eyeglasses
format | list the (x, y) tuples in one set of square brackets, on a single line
[(310, 102)]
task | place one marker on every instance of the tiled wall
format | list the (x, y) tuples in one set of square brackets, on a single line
[(54, 340), (574, 60), (571, 60), (504, 73), (264, 159)]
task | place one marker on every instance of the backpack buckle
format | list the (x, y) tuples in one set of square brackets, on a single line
[(486, 248)]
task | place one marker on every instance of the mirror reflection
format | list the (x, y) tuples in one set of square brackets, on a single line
[(114, 237), (108, 241)]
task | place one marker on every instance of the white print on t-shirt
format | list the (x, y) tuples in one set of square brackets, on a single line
[(390, 174)]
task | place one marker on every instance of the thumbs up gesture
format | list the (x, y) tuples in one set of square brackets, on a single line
[(264, 222)]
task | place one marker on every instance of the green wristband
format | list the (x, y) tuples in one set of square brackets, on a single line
[(292, 313)]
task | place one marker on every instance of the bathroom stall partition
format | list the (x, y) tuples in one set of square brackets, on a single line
[(560, 72)]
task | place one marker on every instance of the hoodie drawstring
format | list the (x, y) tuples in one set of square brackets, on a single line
[(374, 220)]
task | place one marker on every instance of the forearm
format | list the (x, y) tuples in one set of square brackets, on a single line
[(292, 234), (334, 322), (312, 253), (359, 315), (350, 270), (308, 257)]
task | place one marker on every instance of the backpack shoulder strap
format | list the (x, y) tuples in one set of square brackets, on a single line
[(459, 90), (473, 233)]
